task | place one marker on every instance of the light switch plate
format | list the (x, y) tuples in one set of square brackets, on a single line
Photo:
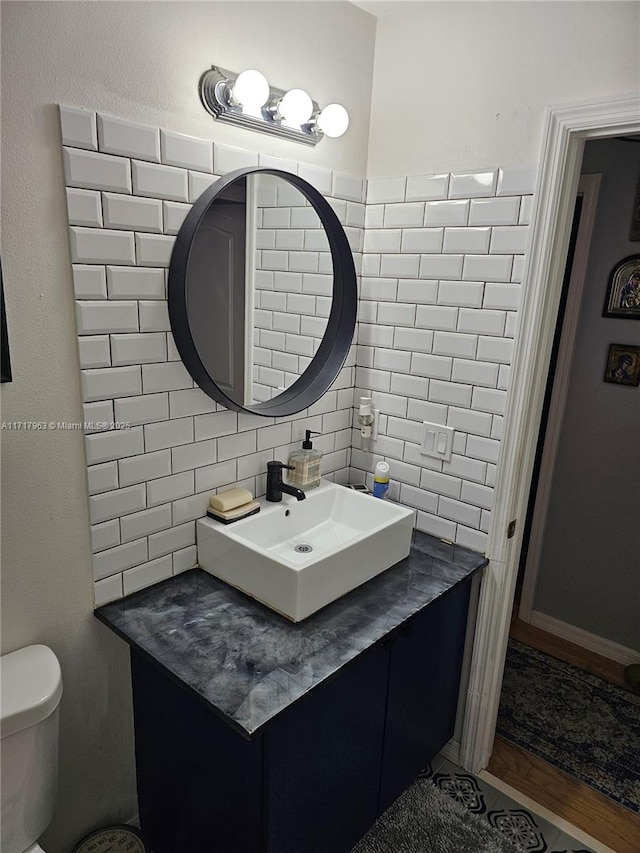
[(437, 441)]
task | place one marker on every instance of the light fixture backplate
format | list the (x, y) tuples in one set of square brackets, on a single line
[(213, 87)]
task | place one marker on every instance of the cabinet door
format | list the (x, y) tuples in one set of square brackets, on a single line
[(424, 679), (199, 782), (323, 762)]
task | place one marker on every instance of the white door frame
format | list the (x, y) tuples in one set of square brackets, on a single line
[(588, 187), (566, 130)]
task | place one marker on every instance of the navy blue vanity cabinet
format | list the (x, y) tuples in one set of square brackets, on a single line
[(199, 781), (253, 735), (422, 697), (315, 777), (308, 783), (323, 762)]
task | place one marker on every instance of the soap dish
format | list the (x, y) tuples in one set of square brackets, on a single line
[(236, 514)]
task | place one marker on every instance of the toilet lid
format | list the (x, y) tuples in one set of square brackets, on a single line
[(31, 687)]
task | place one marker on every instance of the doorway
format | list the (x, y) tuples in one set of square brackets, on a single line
[(553, 684), (565, 134), (578, 566)]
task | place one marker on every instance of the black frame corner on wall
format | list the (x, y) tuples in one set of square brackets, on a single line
[(5, 359)]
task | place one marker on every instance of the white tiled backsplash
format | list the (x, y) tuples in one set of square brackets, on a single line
[(129, 188), (440, 289), (438, 297)]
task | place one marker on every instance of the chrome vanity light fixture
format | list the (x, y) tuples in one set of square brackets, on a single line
[(247, 100)]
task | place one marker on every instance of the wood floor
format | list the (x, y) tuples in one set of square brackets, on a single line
[(613, 825), (585, 660)]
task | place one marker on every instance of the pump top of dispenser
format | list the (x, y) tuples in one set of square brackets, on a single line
[(365, 405), (306, 444)]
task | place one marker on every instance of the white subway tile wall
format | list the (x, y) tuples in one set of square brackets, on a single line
[(442, 266), (156, 446), (441, 258)]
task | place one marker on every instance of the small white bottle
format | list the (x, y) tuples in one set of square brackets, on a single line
[(306, 465), (381, 480)]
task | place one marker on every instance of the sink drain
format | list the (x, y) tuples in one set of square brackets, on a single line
[(303, 549)]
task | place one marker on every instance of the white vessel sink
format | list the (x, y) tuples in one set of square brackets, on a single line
[(298, 556)]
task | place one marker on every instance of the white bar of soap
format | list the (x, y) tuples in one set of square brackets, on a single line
[(230, 499)]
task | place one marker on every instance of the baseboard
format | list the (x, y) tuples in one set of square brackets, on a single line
[(591, 642), (546, 814)]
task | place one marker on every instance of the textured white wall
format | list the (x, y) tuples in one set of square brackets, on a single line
[(139, 61), (464, 85)]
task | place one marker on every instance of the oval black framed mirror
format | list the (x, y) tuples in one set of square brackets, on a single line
[(262, 292)]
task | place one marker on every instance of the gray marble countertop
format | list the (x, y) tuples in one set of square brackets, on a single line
[(249, 663)]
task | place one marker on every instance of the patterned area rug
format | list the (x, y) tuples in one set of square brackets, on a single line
[(531, 832), (582, 725), (430, 818), (425, 819)]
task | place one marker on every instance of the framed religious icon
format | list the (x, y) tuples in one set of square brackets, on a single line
[(623, 365), (623, 292)]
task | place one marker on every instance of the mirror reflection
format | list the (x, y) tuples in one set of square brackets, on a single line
[(263, 248)]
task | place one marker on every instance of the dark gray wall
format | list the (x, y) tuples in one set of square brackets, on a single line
[(590, 568)]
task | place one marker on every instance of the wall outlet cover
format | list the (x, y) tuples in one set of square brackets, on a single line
[(437, 441)]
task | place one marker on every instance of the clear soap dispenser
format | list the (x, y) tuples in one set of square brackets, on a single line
[(365, 422), (306, 464)]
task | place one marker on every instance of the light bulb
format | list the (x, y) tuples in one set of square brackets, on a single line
[(251, 90), (296, 107), (333, 120)]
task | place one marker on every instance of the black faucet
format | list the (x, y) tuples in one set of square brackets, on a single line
[(275, 486)]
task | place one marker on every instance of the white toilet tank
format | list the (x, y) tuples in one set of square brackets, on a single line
[(31, 684)]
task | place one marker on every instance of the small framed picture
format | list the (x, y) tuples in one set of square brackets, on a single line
[(623, 365), (623, 292)]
